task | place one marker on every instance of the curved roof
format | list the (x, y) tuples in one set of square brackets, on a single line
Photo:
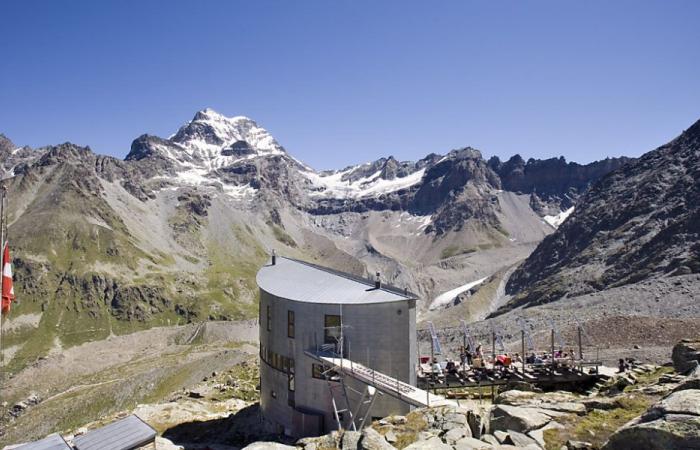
[(305, 282)]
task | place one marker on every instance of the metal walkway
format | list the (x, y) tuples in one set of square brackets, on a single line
[(384, 383)]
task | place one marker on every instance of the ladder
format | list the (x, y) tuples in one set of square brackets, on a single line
[(364, 406), (344, 398)]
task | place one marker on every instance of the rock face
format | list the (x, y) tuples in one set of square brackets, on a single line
[(673, 423), (640, 221), (686, 355), (552, 182)]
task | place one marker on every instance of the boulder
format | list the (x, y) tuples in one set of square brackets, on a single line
[(350, 440), (329, 440), (692, 381), (686, 355), (491, 439), (504, 417), (372, 440), (673, 432), (469, 443), (431, 444), (519, 439), (538, 434), (681, 402), (456, 434), (673, 423), (556, 401), (500, 436), (391, 437)]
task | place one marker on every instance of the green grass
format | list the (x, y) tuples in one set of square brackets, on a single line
[(283, 237), (453, 250)]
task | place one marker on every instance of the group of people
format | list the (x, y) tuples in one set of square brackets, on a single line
[(500, 364)]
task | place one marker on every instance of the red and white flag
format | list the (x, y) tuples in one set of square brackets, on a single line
[(8, 292)]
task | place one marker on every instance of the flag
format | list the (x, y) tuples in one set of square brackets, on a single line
[(8, 292)]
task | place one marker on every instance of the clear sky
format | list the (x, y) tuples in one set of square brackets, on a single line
[(342, 82)]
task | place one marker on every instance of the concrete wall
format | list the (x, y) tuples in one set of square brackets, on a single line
[(379, 335)]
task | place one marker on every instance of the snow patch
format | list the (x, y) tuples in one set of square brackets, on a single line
[(557, 220), (445, 298), (333, 186)]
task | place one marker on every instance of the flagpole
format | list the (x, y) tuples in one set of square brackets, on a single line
[(3, 191)]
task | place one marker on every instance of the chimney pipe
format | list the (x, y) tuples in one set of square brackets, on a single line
[(377, 281), (274, 257)]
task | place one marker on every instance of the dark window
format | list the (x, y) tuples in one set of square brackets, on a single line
[(331, 329), (269, 318), (324, 373), (317, 371), (290, 324)]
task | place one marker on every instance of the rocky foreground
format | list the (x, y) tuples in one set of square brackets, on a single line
[(650, 407)]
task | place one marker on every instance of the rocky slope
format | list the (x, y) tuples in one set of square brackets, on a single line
[(641, 221), (176, 231)]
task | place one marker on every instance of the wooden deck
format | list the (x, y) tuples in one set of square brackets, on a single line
[(541, 377)]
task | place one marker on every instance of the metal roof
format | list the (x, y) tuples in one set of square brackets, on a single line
[(126, 434), (50, 442), (305, 282)]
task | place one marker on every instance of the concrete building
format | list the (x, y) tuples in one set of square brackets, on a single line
[(305, 310)]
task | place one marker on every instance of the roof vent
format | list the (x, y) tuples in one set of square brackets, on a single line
[(377, 281), (274, 257)]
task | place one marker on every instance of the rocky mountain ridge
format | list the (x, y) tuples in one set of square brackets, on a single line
[(641, 221), (176, 231)]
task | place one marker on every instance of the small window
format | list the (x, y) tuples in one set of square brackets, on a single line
[(290, 324), (320, 372), (317, 371), (269, 318), (331, 329)]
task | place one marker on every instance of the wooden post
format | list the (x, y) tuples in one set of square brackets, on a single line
[(552, 355), (580, 345), (493, 348), (522, 345), (433, 375)]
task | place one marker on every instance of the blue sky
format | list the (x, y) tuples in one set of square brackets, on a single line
[(341, 82)]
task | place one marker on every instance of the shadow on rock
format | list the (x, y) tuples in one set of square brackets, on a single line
[(237, 430)]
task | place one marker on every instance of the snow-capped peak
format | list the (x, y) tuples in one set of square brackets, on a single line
[(211, 136)]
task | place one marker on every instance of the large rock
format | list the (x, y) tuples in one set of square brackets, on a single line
[(673, 432), (692, 381), (456, 434), (504, 417), (538, 434), (350, 440), (372, 440), (686, 355), (431, 444), (556, 401), (519, 439), (469, 443), (673, 423), (681, 402)]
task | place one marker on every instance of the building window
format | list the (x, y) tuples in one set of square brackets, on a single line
[(320, 372), (273, 394), (331, 329), (269, 318), (317, 371), (291, 385), (290, 324)]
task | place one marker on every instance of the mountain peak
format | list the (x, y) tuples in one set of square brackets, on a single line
[(210, 134), (211, 115)]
